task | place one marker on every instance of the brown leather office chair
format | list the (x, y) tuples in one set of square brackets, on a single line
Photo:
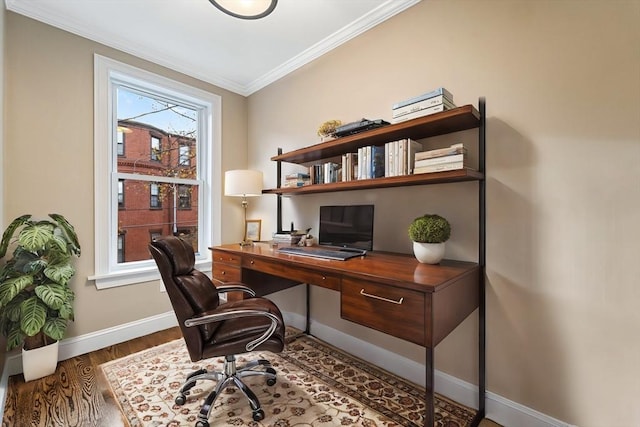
[(212, 329)]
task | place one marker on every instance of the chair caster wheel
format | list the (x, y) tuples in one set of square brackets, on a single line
[(201, 423), (271, 381), (181, 399), (257, 415)]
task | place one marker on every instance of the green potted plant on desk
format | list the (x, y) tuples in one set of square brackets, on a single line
[(36, 302), (429, 234)]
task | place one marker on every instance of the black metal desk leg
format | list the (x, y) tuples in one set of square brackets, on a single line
[(429, 415)]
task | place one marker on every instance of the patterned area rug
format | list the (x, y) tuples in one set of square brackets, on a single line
[(318, 385)]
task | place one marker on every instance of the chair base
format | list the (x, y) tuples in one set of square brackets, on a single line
[(230, 376)]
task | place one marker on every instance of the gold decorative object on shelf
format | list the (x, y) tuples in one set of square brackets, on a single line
[(328, 128)]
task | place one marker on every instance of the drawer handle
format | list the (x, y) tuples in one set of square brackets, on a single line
[(363, 293), (224, 272), (252, 262)]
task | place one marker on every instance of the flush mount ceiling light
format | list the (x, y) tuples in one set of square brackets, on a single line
[(246, 9)]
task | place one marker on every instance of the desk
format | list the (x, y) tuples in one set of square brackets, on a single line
[(392, 293)]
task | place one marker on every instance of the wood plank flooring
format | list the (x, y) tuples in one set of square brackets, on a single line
[(77, 394)]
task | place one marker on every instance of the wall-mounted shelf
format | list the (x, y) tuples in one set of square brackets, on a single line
[(457, 119), (395, 181)]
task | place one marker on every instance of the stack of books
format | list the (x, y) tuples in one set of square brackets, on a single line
[(399, 156), (428, 103), (288, 238), (296, 180), (442, 159)]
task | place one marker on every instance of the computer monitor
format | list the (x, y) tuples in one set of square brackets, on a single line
[(348, 226)]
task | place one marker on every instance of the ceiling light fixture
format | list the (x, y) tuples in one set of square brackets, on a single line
[(246, 9)]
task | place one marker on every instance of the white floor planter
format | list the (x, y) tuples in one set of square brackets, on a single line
[(428, 253), (40, 362)]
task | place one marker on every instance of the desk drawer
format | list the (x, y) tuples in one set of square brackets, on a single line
[(301, 275), (226, 272), (225, 257), (395, 311)]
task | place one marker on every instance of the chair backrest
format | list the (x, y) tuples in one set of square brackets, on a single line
[(191, 292)]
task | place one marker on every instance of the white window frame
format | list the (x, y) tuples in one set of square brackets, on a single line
[(107, 72)]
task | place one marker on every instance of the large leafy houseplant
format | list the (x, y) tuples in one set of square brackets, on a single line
[(36, 302)]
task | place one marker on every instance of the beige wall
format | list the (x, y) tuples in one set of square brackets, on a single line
[(562, 83), (563, 95), (49, 153)]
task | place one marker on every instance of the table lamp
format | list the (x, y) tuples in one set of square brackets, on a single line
[(243, 183)]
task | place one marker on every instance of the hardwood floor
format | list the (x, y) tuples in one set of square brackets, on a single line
[(77, 394)]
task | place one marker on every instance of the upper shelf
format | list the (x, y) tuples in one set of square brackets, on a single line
[(457, 119)]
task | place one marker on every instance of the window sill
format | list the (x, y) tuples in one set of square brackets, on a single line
[(141, 275)]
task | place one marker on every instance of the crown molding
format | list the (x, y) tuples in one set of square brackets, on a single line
[(368, 21)]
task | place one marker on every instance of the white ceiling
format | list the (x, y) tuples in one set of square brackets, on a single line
[(195, 38)]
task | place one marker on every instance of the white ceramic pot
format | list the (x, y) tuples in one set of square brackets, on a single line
[(39, 362), (428, 253)]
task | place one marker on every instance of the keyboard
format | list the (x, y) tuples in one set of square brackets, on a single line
[(326, 253)]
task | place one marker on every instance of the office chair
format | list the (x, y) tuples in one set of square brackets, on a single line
[(212, 329)]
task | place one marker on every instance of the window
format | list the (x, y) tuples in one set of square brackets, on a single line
[(185, 156), (154, 199), (120, 247), (155, 148), (120, 194), (184, 197), (170, 170), (120, 141)]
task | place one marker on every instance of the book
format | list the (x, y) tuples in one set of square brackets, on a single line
[(377, 162), (421, 105), (424, 112), (453, 149), (431, 94), (440, 168), (439, 160)]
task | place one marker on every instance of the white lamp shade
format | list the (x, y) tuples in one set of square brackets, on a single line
[(242, 183)]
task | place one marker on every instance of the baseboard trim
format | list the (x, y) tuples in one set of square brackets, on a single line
[(498, 408), (87, 343)]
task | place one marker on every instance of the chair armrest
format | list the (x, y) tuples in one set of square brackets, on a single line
[(234, 313), (235, 286)]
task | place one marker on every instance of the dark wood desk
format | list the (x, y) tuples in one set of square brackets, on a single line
[(392, 293)]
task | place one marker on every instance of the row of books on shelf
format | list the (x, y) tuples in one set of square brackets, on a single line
[(395, 158), (432, 102)]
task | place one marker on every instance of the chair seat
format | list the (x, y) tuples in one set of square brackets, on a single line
[(232, 336)]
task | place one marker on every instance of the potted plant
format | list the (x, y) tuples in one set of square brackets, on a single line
[(36, 302), (429, 234)]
